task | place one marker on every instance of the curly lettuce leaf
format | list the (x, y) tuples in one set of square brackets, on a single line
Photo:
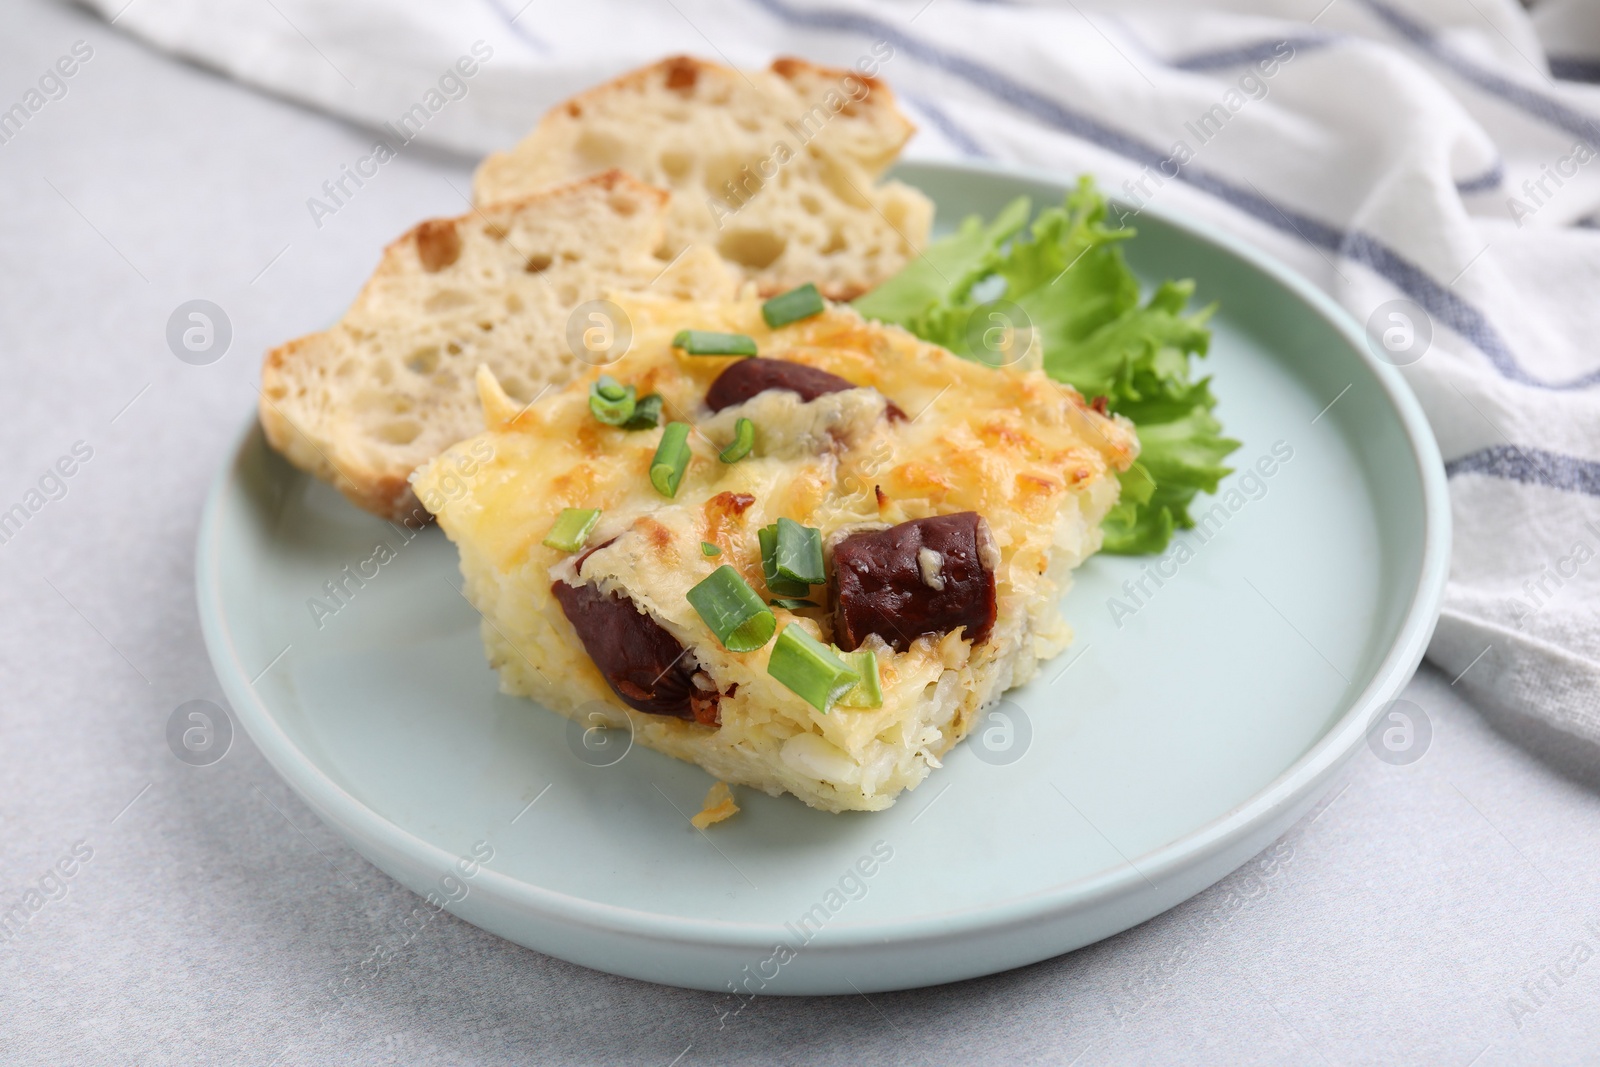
[(946, 271), (1068, 276)]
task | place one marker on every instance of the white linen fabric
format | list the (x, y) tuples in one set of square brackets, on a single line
[(1441, 153)]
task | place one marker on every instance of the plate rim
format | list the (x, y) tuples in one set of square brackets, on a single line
[(1296, 784)]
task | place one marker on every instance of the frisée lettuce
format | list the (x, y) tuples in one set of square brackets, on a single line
[(976, 291)]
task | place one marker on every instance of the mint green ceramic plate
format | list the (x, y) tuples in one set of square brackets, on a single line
[(1179, 736)]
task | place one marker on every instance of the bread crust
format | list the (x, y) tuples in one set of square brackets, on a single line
[(683, 71)]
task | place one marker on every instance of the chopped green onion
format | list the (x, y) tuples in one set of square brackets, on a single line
[(791, 604), (798, 554), (610, 401), (709, 549), (809, 668), (733, 611), (796, 304), (646, 413), (867, 693), (572, 529), (768, 537), (744, 438), (711, 343), (672, 457)]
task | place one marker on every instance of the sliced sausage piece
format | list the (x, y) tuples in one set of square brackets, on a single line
[(926, 576), (748, 377), (642, 663)]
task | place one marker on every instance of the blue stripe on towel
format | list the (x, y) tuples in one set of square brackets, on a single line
[(1575, 68), (1245, 54), (1487, 182), (1531, 466)]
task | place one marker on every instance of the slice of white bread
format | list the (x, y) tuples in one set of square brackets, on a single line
[(778, 170), (390, 386)]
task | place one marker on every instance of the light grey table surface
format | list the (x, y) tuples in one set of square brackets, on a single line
[(1443, 912)]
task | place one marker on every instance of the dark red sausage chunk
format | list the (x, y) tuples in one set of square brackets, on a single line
[(641, 662), (926, 576), (748, 377)]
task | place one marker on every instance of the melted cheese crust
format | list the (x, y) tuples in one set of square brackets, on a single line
[(1021, 450)]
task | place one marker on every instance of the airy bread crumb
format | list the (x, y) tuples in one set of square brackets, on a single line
[(779, 170)]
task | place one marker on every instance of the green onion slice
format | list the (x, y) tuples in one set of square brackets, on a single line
[(798, 553), (572, 529), (867, 693), (792, 604), (646, 413), (810, 668), (610, 401), (744, 438), (672, 457), (796, 304), (711, 343), (733, 611), (780, 587), (709, 549)]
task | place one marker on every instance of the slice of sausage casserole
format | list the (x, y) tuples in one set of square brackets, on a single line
[(801, 556)]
